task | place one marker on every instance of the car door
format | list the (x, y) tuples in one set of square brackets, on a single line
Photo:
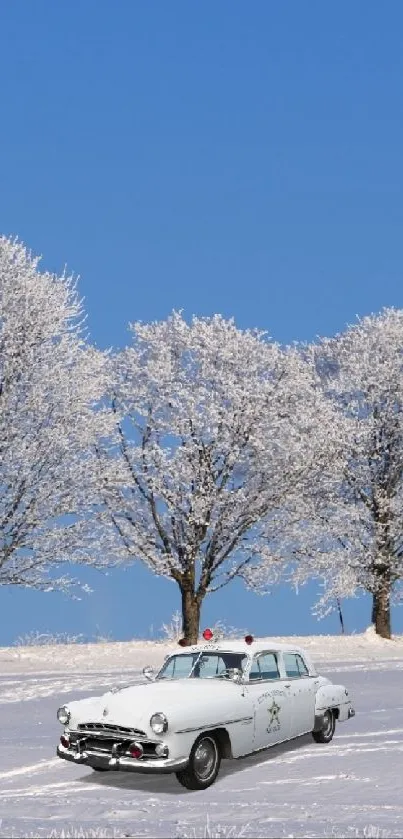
[(302, 689), (271, 699)]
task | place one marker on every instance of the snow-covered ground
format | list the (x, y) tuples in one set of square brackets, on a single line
[(352, 787)]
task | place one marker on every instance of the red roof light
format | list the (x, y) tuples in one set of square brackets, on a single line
[(207, 634), (249, 639)]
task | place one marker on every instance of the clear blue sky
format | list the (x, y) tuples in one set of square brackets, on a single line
[(233, 157)]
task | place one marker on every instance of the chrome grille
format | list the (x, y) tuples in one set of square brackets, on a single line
[(107, 728)]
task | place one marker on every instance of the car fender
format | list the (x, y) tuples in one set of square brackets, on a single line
[(335, 697), (235, 720)]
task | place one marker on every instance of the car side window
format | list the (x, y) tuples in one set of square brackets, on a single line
[(210, 666), (263, 667), (295, 666)]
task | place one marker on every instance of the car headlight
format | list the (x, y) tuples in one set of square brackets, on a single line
[(159, 723), (63, 715)]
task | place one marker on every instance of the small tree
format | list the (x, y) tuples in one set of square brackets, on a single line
[(50, 380), (213, 427), (353, 521)]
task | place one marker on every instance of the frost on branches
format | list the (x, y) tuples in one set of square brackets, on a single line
[(354, 525), (50, 379), (216, 428)]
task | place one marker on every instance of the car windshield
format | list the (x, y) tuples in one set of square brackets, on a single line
[(201, 665)]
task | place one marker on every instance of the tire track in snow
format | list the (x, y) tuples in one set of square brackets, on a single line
[(53, 789), (33, 767), (315, 780), (26, 690), (379, 733)]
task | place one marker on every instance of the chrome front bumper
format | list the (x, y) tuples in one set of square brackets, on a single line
[(126, 764)]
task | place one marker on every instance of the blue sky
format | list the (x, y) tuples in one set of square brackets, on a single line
[(232, 157)]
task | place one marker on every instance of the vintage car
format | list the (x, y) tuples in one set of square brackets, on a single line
[(210, 701)]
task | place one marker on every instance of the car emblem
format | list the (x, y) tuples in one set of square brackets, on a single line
[(105, 712), (274, 722)]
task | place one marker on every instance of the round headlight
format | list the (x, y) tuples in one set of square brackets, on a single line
[(63, 715), (159, 723)]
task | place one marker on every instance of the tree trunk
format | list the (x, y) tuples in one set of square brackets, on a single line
[(340, 614), (190, 616), (381, 612)]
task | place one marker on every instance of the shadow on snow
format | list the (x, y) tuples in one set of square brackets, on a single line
[(169, 785)]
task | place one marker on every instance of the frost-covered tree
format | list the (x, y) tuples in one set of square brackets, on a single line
[(352, 533), (50, 380), (216, 428)]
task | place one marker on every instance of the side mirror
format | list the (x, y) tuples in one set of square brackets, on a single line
[(149, 673), (238, 675), (235, 674)]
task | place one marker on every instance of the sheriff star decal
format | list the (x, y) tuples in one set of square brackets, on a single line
[(274, 720)]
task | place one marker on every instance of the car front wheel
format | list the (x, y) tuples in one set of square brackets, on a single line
[(204, 764), (326, 732)]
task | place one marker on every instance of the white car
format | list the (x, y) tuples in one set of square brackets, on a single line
[(208, 702)]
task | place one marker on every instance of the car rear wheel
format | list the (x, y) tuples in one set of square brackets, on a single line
[(204, 764), (326, 732)]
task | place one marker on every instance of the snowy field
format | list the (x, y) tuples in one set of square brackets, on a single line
[(351, 787)]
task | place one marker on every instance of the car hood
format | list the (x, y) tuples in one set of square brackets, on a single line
[(185, 702)]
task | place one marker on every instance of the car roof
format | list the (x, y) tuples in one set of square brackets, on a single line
[(257, 646)]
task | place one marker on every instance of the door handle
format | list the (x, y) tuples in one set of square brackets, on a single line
[(287, 686)]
